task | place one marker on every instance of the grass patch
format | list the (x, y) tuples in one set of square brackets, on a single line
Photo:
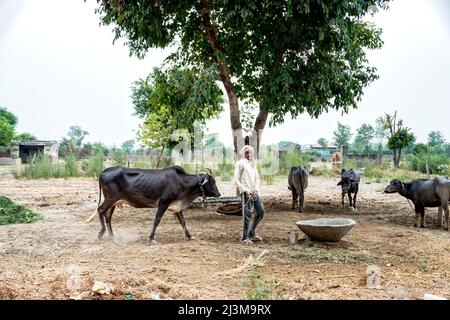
[(256, 285), (317, 253), (11, 213)]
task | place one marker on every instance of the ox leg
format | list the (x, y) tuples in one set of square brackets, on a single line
[(294, 198), (350, 202), (354, 197), (445, 208), (101, 213), (422, 217), (416, 220), (108, 216), (301, 202), (159, 215), (180, 217), (440, 221), (343, 196)]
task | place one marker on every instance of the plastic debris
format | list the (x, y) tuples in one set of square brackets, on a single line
[(293, 236), (102, 288), (374, 277), (429, 296), (154, 296)]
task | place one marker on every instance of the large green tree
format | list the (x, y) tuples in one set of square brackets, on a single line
[(288, 57), (173, 99), (342, 135), (73, 142), (8, 122), (436, 138), (365, 134), (399, 136), (399, 141)]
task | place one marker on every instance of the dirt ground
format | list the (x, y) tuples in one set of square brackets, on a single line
[(60, 256)]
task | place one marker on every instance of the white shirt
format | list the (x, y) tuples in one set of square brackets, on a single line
[(246, 176)]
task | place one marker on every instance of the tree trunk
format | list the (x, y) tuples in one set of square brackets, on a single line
[(158, 160), (397, 158), (260, 123), (224, 73)]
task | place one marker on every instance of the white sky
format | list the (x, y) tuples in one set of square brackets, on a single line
[(58, 68)]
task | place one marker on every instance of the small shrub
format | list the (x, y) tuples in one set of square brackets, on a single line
[(41, 167), (119, 157), (259, 288), (350, 163), (320, 171), (13, 213), (71, 166), (95, 164), (293, 159)]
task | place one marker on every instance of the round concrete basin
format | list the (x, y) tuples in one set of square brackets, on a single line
[(327, 230)]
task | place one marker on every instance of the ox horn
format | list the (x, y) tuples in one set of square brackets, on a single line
[(210, 171)]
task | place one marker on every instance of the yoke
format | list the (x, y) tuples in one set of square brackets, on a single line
[(223, 200)]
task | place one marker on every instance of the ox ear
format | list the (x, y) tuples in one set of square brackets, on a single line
[(206, 180), (339, 183)]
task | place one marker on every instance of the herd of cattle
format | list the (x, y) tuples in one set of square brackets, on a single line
[(174, 189)]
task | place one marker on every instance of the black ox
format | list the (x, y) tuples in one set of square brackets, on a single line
[(298, 182), (424, 193), (350, 184), (166, 189)]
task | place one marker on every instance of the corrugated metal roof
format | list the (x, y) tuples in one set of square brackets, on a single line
[(35, 143)]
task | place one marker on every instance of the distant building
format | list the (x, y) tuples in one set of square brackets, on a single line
[(29, 149), (326, 151)]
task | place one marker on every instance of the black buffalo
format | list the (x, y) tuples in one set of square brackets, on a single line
[(350, 184), (298, 182), (166, 189), (424, 193)]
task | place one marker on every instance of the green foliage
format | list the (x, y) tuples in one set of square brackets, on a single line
[(365, 134), (292, 159), (259, 288), (6, 134), (309, 57), (128, 146), (73, 142), (436, 138), (25, 136), (95, 164), (342, 135), (323, 142), (437, 164), (401, 139), (321, 171), (156, 131), (350, 163), (187, 94), (9, 116), (420, 149), (13, 213), (119, 157), (71, 166), (43, 168)]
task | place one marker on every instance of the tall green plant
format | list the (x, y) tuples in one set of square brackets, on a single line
[(95, 164)]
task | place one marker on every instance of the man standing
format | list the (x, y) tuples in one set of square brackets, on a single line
[(246, 178)]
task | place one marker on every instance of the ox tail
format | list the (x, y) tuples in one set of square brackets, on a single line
[(99, 199), (301, 179)]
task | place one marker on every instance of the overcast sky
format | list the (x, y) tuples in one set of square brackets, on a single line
[(58, 68)]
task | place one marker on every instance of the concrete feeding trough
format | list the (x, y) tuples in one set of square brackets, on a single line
[(326, 230)]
